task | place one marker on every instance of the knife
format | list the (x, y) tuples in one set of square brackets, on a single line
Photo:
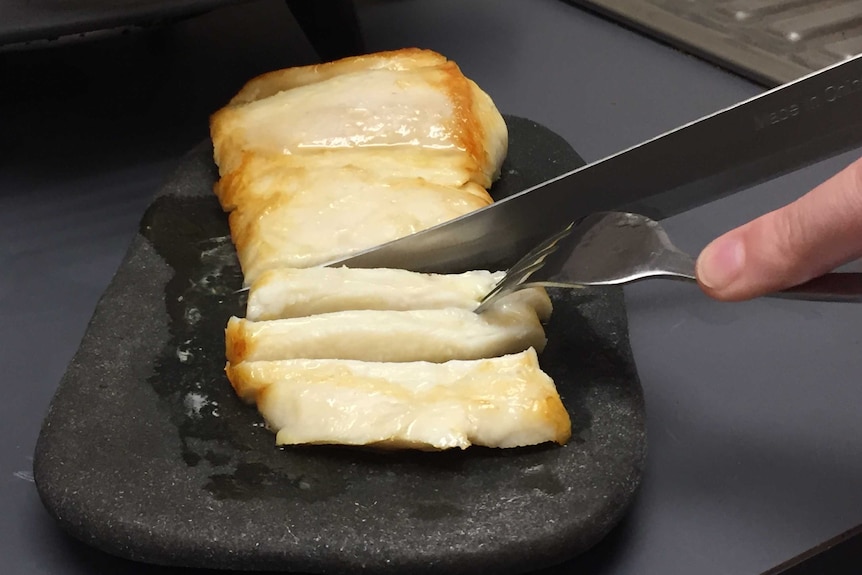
[(779, 131)]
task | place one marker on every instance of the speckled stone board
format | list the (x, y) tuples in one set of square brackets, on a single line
[(146, 453)]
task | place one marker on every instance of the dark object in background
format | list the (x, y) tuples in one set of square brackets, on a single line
[(769, 42), (330, 25)]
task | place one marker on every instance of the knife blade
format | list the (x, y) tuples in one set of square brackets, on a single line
[(774, 133)]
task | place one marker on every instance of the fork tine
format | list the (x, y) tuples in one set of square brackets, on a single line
[(525, 267), (504, 286), (540, 252), (524, 274), (522, 267), (552, 241)]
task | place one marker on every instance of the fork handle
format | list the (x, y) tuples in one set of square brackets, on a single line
[(834, 287), (831, 287)]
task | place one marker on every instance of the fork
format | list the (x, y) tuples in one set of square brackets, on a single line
[(610, 248)]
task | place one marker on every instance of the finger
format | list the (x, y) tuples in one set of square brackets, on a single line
[(809, 237)]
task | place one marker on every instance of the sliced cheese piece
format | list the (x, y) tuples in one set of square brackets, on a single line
[(500, 402), (291, 292), (435, 335), (297, 292)]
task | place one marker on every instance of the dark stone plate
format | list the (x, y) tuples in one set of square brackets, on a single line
[(147, 454)]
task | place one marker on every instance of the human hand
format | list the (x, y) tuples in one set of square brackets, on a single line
[(807, 238)]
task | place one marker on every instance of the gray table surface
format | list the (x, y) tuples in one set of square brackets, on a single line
[(753, 409)]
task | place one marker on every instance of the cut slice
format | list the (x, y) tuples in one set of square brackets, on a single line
[(501, 402), (435, 335), (289, 292)]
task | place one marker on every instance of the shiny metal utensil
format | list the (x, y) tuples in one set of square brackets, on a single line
[(609, 248), (774, 133)]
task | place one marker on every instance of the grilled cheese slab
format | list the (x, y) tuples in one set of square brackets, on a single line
[(319, 162), (500, 402), (379, 146)]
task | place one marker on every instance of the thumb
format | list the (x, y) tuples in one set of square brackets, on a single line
[(807, 238)]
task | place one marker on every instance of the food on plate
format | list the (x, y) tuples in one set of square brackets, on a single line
[(287, 292), (499, 402), (319, 162), (436, 335), (322, 161), (321, 215)]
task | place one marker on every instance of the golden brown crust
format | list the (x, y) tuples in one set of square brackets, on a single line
[(246, 387), (223, 139), (236, 342), (495, 135), (555, 412), (467, 128), (237, 383)]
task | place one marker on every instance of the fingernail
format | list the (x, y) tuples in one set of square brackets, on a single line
[(720, 263)]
